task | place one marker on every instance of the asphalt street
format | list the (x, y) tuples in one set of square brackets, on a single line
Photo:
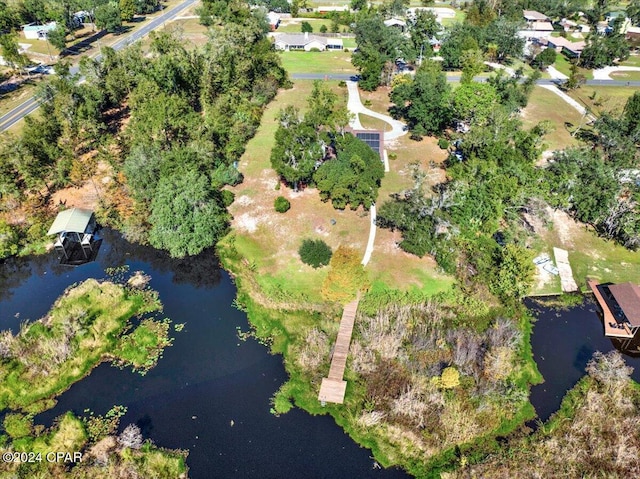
[(19, 112)]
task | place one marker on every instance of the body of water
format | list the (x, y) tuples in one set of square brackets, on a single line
[(563, 341), (210, 392)]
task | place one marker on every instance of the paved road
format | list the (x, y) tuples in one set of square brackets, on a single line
[(19, 112), (456, 78)]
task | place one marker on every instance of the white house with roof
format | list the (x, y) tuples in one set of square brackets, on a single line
[(440, 12), (306, 42), (396, 23), (534, 16), (37, 32), (274, 20), (536, 30)]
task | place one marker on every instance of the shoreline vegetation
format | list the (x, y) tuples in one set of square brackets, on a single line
[(89, 324)]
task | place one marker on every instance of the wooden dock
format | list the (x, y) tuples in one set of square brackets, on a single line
[(333, 387), (608, 318), (564, 268)]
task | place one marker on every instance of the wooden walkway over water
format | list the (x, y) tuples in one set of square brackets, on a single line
[(333, 387)]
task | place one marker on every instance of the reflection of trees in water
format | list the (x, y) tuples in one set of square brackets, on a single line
[(13, 272), (199, 271), (202, 270)]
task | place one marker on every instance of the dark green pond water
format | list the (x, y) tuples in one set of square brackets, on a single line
[(210, 392)]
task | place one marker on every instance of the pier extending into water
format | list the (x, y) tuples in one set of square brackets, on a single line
[(334, 386)]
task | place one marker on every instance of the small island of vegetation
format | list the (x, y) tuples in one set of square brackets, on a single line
[(89, 324)]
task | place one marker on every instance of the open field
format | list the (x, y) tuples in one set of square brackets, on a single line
[(625, 76), (295, 25), (546, 105), (269, 241), (563, 65), (632, 61), (603, 98), (317, 62)]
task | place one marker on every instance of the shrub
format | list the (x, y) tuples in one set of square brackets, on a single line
[(17, 425), (443, 144), (449, 379), (227, 197), (323, 29), (281, 204), (315, 253), (306, 27)]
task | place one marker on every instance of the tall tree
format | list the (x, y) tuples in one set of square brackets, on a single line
[(424, 101), (378, 46), (186, 214), (127, 10)]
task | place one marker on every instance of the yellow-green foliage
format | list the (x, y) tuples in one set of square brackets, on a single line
[(144, 345), (346, 276), (80, 331), (449, 379), (17, 425)]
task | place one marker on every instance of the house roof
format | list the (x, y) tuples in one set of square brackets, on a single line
[(305, 39), (534, 16), (627, 295), (74, 220), (568, 44), (46, 27), (541, 27), (392, 22)]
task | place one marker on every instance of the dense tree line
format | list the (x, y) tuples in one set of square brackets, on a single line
[(190, 114)]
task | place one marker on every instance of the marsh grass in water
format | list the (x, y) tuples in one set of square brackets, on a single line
[(85, 327)]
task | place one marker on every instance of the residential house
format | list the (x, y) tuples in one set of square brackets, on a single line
[(306, 42), (533, 16), (569, 48), (274, 20), (38, 32), (536, 30), (440, 12), (396, 23)]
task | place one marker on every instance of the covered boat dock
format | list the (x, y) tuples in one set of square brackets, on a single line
[(76, 231)]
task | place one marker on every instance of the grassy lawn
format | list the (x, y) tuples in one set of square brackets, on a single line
[(349, 42), (563, 65), (603, 98), (294, 26), (632, 61), (544, 105), (317, 62), (10, 100), (371, 123), (268, 241), (625, 76)]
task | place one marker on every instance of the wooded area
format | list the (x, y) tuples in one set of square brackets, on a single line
[(171, 124)]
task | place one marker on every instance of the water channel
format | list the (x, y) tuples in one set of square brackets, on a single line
[(563, 341), (210, 392)]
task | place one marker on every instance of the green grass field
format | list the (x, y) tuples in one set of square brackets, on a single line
[(563, 65), (546, 105), (625, 76), (317, 62), (295, 26), (603, 98)]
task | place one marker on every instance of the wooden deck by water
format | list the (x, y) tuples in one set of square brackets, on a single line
[(609, 319), (333, 387)]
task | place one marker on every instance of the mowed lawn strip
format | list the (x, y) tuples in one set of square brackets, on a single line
[(317, 62), (603, 98), (546, 105)]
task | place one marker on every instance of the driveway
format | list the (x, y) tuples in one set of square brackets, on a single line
[(355, 106)]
